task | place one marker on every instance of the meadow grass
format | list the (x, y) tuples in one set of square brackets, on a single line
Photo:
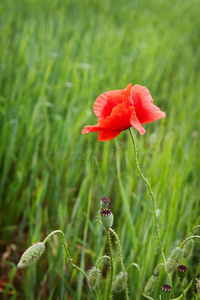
[(56, 58)]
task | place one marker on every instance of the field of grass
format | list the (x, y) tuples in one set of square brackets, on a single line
[(56, 57)]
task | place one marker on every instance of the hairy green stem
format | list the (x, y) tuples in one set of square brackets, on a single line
[(111, 267), (152, 196), (198, 226), (100, 259), (66, 250), (190, 238), (121, 260)]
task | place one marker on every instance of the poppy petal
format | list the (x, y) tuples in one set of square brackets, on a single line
[(105, 103), (146, 111), (104, 134), (91, 128), (107, 135), (136, 124), (119, 118)]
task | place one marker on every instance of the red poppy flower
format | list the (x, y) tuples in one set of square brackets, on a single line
[(119, 110)]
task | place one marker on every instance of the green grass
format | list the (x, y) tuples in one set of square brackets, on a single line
[(56, 57)]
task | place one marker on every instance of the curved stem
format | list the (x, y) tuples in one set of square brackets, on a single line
[(66, 250), (152, 196), (121, 260), (100, 259), (198, 226), (111, 267), (190, 238), (147, 297)]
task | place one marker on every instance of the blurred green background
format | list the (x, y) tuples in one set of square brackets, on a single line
[(56, 57)]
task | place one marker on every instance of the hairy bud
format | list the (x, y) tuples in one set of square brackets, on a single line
[(151, 283), (173, 260), (31, 255), (188, 248), (119, 284), (93, 278)]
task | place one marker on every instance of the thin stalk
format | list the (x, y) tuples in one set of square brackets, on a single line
[(121, 260), (66, 250), (152, 196), (182, 290), (111, 267)]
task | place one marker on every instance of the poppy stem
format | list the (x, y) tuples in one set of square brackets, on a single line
[(152, 196), (111, 267), (121, 260), (66, 250)]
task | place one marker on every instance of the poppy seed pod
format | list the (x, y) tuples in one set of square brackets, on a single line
[(105, 201), (166, 291), (173, 260), (119, 284), (188, 248), (93, 278), (31, 255), (106, 217), (182, 270), (151, 283)]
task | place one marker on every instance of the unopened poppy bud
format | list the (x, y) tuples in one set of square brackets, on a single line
[(93, 278), (105, 201), (188, 248), (119, 284), (173, 260), (106, 217), (31, 255), (151, 283), (182, 270), (166, 291)]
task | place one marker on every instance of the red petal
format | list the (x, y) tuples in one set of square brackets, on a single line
[(107, 135), (136, 123), (105, 103), (104, 133), (119, 118), (91, 128), (146, 111)]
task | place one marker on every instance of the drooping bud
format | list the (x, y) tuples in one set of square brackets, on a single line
[(182, 270), (31, 255), (93, 278), (119, 284), (105, 201), (106, 217), (151, 283), (166, 291), (173, 260), (188, 248)]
